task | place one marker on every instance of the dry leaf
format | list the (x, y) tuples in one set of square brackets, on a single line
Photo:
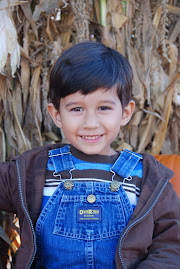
[(9, 43), (45, 6), (10, 3), (118, 20), (175, 33), (161, 129), (3, 146), (146, 135), (28, 14)]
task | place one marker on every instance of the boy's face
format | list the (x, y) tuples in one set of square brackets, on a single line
[(91, 122)]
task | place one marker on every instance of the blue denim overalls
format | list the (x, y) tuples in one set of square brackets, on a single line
[(81, 223)]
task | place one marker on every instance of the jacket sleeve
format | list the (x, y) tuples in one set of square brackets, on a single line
[(164, 252), (8, 186)]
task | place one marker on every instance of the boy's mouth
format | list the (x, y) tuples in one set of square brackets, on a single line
[(91, 138)]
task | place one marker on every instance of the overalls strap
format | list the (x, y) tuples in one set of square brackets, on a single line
[(126, 163), (62, 159)]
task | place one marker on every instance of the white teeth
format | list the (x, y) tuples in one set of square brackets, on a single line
[(91, 137)]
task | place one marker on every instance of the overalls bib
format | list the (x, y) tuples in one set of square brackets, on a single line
[(81, 223)]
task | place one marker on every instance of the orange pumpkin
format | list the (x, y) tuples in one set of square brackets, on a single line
[(172, 162)]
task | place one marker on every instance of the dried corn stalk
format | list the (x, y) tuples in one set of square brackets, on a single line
[(9, 44), (146, 32)]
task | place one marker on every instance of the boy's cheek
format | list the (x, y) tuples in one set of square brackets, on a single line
[(113, 122)]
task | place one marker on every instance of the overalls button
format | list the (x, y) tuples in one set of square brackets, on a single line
[(114, 186), (91, 198), (68, 185)]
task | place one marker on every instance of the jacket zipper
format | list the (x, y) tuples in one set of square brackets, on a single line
[(27, 214), (135, 222)]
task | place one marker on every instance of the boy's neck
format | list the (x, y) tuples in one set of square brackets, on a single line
[(96, 158)]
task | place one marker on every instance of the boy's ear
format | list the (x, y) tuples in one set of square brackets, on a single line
[(55, 115), (127, 113)]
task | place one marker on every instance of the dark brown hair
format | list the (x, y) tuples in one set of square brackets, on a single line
[(88, 66)]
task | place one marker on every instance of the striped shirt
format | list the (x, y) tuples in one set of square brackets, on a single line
[(93, 168)]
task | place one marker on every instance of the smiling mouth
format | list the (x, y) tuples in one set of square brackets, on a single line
[(91, 138)]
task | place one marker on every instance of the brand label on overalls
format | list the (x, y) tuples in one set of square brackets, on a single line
[(89, 214)]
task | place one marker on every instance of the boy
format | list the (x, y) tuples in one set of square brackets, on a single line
[(84, 205)]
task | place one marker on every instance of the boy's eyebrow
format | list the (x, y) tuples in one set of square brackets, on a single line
[(102, 101), (71, 104), (109, 102)]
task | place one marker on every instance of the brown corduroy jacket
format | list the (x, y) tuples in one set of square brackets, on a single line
[(151, 238)]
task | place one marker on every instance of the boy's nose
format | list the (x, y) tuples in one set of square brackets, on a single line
[(91, 121)]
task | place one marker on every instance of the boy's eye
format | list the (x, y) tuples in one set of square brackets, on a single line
[(76, 109), (104, 108)]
